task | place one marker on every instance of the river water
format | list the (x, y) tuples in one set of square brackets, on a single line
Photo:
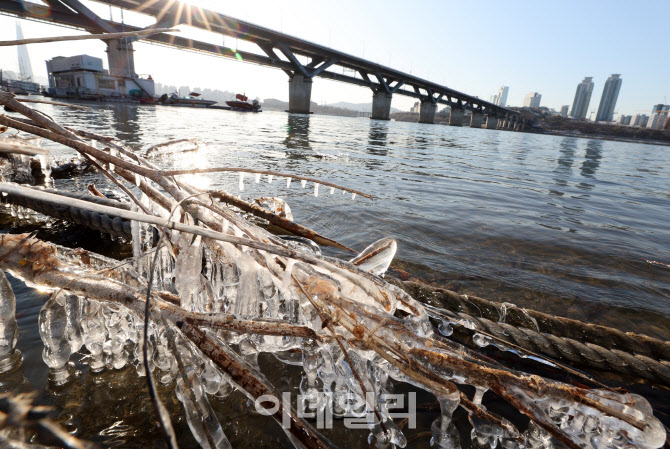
[(563, 225)]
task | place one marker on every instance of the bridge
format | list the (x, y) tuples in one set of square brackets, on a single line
[(277, 50)]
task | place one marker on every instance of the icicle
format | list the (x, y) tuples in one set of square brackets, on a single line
[(286, 280), (241, 181), (10, 357), (353, 196), (225, 224), (46, 167), (303, 183), (137, 180), (258, 178), (199, 413), (332, 190), (445, 435), (135, 234), (94, 334), (60, 333), (344, 192), (316, 189), (270, 178), (288, 182)]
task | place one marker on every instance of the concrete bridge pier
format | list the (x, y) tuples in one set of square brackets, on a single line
[(491, 122), (381, 105), (299, 94), (120, 57), (476, 120), (427, 112), (456, 117), (514, 121)]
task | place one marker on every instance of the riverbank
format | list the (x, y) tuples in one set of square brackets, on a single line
[(560, 126)]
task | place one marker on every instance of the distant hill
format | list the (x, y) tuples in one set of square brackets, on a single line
[(360, 107)]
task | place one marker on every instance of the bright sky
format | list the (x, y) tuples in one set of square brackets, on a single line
[(471, 46)]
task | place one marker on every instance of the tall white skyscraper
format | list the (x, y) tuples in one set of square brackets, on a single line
[(532, 100), (501, 98), (609, 98), (580, 105), (25, 69)]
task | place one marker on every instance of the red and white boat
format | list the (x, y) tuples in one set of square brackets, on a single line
[(241, 103)]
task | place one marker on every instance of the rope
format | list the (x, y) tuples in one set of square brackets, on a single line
[(115, 226), (563, 339)]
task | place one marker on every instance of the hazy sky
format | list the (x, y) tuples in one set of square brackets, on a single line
[(472, 46)]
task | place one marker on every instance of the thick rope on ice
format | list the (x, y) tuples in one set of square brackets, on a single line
[(577, 343)]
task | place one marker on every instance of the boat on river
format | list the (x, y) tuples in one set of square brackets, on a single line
[(192, 100), (241, 103)]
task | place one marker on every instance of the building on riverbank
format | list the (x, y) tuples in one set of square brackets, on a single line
[(609, 98), (640, 120), (83, 76), (659, 115), (564, 110), (501, 98), (624, 120), (580, 105), (532, 100)]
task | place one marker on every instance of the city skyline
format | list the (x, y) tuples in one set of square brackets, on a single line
[(482, 68)]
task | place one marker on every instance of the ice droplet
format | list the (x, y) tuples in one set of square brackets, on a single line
[(332, 190), (316, 189), (241, 181), (353, 196), (303, 183), (445, 328), (288, 182), (258, 178), (137, 180), (270, 178), (481, 340)]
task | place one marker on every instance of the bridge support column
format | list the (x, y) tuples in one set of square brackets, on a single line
[(476, 120), (456, 117), (427, 112), (491, 122), (381, 105), (299, 94), (120, 57)]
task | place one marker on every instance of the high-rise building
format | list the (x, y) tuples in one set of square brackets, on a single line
[(493, 99), (580, 105), (564, 110), (659, 114), (532, 100), (624, 119), (640, 120), (609, 98), (25, 69), (501, 98)]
